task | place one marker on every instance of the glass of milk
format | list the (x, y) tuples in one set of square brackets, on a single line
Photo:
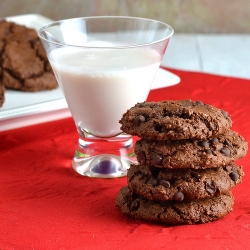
[(104, 66)]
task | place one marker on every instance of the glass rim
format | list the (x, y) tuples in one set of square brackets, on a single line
[(54, 23)]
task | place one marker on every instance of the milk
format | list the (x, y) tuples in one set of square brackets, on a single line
[(101, 84)]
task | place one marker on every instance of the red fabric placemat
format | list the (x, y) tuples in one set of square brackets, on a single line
[(45, 205)]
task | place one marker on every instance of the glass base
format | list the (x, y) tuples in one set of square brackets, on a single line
[(104, 157)]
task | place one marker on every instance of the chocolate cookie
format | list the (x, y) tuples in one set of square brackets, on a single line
[(23, 59), (2, 91), (209, 153), (174, 213), (182, 184), (175, 120)]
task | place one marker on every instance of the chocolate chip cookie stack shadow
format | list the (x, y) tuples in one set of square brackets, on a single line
[(186, 167)]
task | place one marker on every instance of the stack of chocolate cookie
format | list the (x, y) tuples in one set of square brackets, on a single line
[(186, 158)]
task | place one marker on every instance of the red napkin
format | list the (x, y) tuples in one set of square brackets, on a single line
[(45, 205)]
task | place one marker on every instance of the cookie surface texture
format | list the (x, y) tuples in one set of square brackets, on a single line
[(196, 154), (182, 184), (175, 120), (2, 92), (24, 65), (174, 213)]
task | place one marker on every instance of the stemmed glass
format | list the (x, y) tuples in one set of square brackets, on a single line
[(104, 66)]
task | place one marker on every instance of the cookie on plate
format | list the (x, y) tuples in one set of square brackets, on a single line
[(23, 60), (198, 154), (175, 120), (5, 29), (182, 184), (2, 91), (174, 213)]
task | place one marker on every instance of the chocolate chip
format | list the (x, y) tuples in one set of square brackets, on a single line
[(152, 182), (185, 116), (141, 157), (215, 140), (163, 129), (156, 159), (225, 114), (227, 142), (204, 144), (141, 104), (234, 176), (134, 205), (210, 188), (179, 196), (209, 151), (199, 102), (139, 120), (225, 151), (165, 183)]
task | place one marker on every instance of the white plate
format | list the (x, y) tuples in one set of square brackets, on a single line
[(24, 108)]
